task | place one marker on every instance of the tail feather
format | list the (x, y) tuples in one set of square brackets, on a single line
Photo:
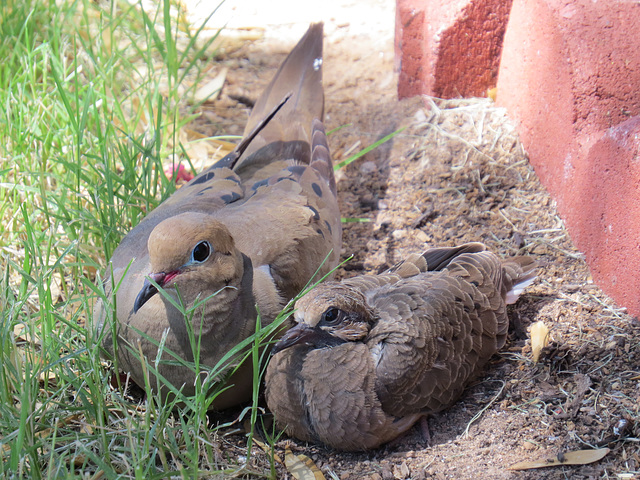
[(438, 258), (515, 292), (299, 76), (518, 274), (320, 156), (508, 278)]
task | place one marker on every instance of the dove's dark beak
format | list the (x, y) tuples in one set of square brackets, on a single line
[(303, 334), (148, 290)]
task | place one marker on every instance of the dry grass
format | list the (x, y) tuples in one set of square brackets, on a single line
[(467, 178)]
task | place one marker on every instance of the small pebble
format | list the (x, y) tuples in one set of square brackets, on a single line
[(421, 236), (399, 234), (368, 167)]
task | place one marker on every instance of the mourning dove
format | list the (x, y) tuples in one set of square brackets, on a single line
[(373, 354), (252, 229)]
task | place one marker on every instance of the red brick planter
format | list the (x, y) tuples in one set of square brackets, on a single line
[(569, 75), (449, 48)]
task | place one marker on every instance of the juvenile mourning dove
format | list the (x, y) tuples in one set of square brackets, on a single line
[(373, 354), (253, 229)]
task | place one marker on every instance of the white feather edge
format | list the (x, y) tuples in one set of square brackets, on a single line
[(518, 288)]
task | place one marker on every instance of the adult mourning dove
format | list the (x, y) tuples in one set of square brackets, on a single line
[(373, 354), (252, 229)]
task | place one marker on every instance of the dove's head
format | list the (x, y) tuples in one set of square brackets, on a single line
[(330, 314), (194, 252)]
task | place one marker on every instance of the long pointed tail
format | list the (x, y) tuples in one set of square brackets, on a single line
[(507, 277), (518, 274), (300, 77)]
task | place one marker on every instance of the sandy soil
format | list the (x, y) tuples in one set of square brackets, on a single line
[(456, 174)]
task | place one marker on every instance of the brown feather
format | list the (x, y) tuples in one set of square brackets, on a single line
[(425, 328), (270, 215)]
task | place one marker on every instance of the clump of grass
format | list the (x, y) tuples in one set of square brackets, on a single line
[(92, 101), (92, 105)]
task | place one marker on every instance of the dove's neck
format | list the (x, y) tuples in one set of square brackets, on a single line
[(230, 315), (244, 308)]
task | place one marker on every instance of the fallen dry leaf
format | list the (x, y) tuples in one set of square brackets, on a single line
[(204, 151), (210, 90), (267, 449), (539, 339), (47, 431), (301, 466), (577, 457), (22, 334)]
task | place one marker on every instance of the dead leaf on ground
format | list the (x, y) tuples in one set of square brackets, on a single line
[(42, 434), (577, 457), (301, 466), (268, 450), (22, 334), (210, 90), (204, 151), (539, 339)]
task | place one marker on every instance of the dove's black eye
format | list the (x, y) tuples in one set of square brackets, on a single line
[(332, 315), (201, 252)]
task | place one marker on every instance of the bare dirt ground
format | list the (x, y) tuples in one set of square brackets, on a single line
[(458, 173)]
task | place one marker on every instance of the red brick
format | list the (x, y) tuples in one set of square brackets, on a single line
[(449, 48), (607, 224), (570, 77)]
